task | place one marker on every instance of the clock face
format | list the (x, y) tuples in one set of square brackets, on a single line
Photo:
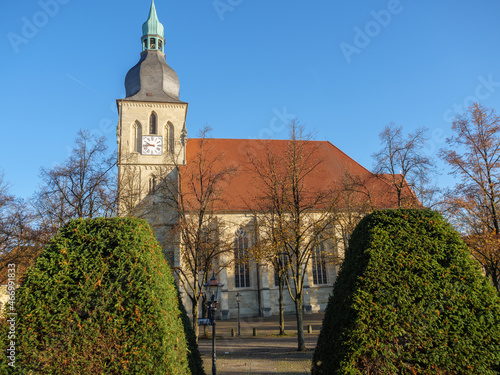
[(152, 145)]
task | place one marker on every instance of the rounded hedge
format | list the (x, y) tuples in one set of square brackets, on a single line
[(100, 299), (194, 355), (409, 299)]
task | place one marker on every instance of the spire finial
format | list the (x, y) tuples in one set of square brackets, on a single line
[(152, 26)]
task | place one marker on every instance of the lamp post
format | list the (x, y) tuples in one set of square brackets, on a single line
[(212, 288), (238, 295)]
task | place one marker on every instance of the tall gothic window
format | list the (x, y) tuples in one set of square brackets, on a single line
[(241, 268), (319, 265), (208, 242), (171, 138), (153, 123), (136, 137), (152, 184), (284, 267), (276, 277)]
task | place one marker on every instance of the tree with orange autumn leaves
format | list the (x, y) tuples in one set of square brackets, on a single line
[(472, 205)]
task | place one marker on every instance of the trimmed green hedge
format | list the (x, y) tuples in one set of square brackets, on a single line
[(100, 300), (409, 299), (194, 355)]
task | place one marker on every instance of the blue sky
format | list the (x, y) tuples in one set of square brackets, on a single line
[(345, 69)]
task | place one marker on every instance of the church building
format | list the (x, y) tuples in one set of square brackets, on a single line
[(153, 143)]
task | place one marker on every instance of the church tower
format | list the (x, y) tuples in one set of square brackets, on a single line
[(152, 121)]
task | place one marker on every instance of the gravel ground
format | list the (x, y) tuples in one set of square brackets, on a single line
[(265, 354)]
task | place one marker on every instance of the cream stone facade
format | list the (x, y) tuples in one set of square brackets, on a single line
[(261, 296), (135, 123)]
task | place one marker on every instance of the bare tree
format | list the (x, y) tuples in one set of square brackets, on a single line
[(130, 191), (81, 187), (192, 194), (269, 248), (358, 198), (6, 227), (295, 214), (20, 241), (268, 209), (473, 154), (401, 161)]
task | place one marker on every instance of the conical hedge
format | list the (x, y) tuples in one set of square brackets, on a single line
[(100, 300), (409, 299), (194, 355)]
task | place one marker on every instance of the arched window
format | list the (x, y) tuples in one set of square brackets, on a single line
[(319, 265), (171, 138), (241, 267), (136, 137), (152, 43), (153, 123)]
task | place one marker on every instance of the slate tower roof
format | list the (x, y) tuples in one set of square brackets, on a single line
[(152, 79)]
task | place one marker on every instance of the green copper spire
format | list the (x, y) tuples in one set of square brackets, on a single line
[(152, 26), (152, 32)]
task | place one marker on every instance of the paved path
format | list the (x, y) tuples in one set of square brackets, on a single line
[(265, 354)]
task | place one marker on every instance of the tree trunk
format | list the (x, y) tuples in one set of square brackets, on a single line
[(299, 311), (282, 306), (196, 314), (494, 279), (400, 199)]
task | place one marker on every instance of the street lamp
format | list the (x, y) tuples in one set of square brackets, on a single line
[(212, 288), (238, 295)]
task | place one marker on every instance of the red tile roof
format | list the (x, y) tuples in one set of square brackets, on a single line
[(241, 188)]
